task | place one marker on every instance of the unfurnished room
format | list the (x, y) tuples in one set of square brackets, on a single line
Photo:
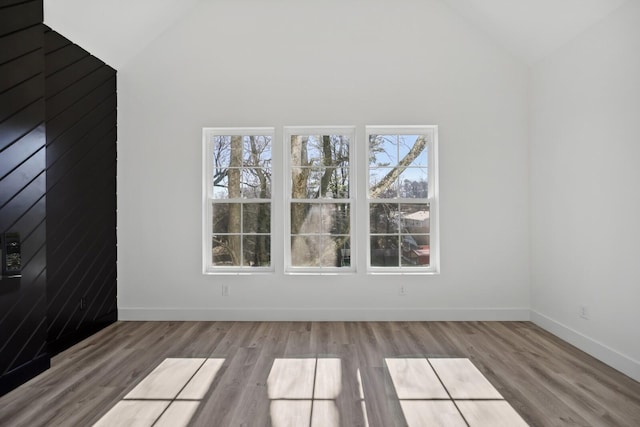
[(320, 213)]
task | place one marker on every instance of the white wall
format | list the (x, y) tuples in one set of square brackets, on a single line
[(287, 62), (585, 195)]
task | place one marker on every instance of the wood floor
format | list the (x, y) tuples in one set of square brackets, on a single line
[(251, 373)]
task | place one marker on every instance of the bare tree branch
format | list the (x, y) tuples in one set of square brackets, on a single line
[(385, 183)]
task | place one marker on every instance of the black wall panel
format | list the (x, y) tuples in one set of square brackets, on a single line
[(23, 325), (58, 114), (81, 113)]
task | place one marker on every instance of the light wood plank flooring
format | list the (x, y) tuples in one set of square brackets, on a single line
[(324, 374)]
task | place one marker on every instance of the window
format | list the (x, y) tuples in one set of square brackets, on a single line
[(319, 199), (402, 199), (315, 170), (237, 198)]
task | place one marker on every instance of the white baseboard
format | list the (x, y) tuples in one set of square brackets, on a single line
[(602, 352), (319, 314)]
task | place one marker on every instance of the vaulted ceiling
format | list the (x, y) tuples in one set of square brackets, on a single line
[(531, 29), (114, 30), (117, 30)]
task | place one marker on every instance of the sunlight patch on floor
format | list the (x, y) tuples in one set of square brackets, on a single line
[(303, 392), (168, 396), (445, 392), (448, 392)]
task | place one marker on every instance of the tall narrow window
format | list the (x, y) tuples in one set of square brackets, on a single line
[(320, 200), (237, 197), (402, 199)]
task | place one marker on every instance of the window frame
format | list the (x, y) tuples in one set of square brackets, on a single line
[(351, 132), (208, 200), (432, 199)]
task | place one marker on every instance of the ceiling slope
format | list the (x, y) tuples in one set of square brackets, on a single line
[(114, 30), (117, 30), (532, 29)]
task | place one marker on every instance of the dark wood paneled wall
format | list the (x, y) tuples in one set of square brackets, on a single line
[(22, 190), (81, 192), (57, 190)]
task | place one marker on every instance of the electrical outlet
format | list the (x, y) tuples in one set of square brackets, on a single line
[(584, 312), (402, 290), (225, 290)]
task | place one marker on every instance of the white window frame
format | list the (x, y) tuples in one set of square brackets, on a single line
[(208, 200), (288, 132), (432, 199)]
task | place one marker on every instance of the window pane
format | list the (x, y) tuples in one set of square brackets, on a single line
[(383, 150), (335, 251), (376, 175), (415, 218), (229, 151), (257, 250), (226, 250), (256, 218), (415, 250), (306, 218), (383, 218), (226, 218), (305, 251), (406, 143), (305, 183), (398, 166), (319, 150), (257, 151), (343, 248), (384, 251), (336, 218), (256, 183), (334, 182), (314, 150), (382, 184), (319, 166), (299, 150), (413, 183), (320, 251), (221, 151), (230, 154), (314, 183), (234, 183), (221, 185)]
